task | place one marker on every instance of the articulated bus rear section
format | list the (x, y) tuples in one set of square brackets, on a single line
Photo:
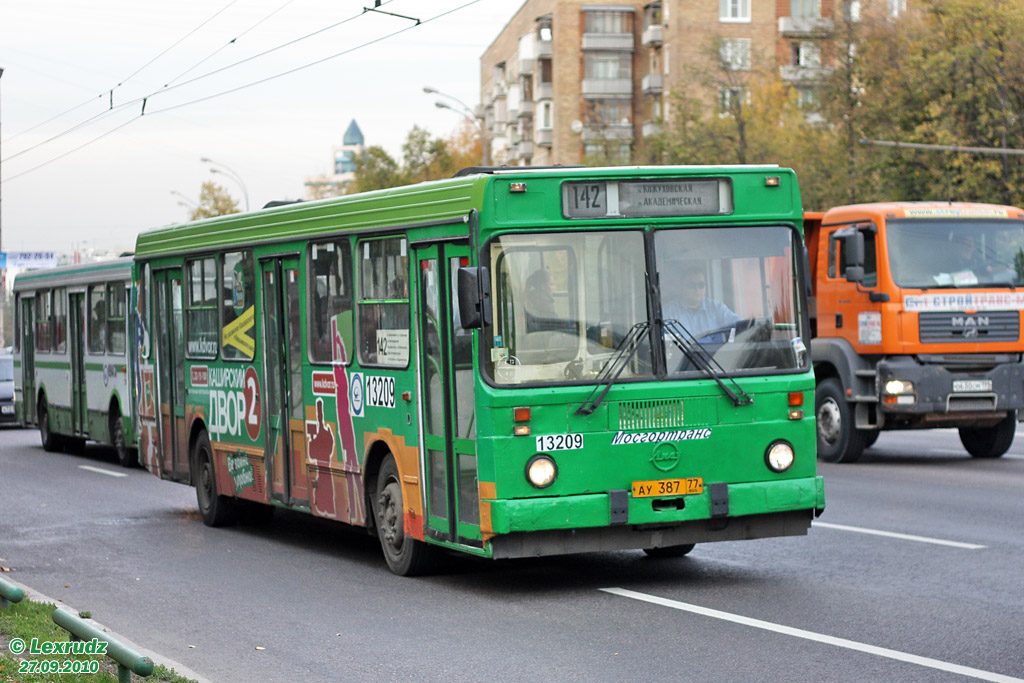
[(509, 363), (71, 353)]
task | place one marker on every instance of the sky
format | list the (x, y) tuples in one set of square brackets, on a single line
[(84, 166)]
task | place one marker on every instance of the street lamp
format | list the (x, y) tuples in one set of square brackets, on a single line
[(229, 172), (185, 201), (464, 111)]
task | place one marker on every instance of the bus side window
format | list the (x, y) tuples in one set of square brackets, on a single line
[(384, 301), (43, 312), (116, 318), (201, 309), (330, 305), (97, 319), (60, 320)]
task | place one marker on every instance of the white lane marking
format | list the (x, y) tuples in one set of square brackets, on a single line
[(817, 637), (100, 470), (904, 537)]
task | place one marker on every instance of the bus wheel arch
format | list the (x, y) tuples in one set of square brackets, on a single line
[(215, 509), (376, 453), (405, 555)]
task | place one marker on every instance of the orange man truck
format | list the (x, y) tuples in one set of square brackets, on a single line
[(916, 312)]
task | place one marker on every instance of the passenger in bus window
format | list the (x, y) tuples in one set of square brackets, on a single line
[(540, 302), (694, 310)]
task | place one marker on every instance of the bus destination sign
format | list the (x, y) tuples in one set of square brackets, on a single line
[(646, 198)]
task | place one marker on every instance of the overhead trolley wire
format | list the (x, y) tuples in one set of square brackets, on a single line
[(144, 100)]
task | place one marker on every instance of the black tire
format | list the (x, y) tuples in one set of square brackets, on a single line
[(405, 555), (870, 437), (126, 457), (990, 442), (51, 441), (838, 439), (669, 552), (215, 509)]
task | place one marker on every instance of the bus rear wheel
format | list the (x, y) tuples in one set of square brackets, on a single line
[(671, 551), (990, 442), (405, 555), (51, 441), (215, 509), (126, 457)]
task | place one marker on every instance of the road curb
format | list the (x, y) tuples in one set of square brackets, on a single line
[(157, 658)]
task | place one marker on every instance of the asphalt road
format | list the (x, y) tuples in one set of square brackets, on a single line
[(914, 573)]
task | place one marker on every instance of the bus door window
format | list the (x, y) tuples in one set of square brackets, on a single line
[(97, 319), (464, 414), (43, 321), (238, 318), (60, 321), (433, 386), (201, 313)]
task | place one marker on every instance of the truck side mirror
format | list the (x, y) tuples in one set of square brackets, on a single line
[(852, 241), (474, 297)]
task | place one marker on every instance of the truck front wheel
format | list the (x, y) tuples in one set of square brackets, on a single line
[(990, 442), (839, 440)]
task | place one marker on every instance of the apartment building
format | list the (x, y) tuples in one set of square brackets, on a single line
[(568, 80)]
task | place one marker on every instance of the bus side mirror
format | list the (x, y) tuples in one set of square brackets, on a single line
[(474, 297)]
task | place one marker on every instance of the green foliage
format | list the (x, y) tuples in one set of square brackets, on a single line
[(423, 158), (214, 200)]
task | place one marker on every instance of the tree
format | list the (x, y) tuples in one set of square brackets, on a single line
[(214, 200), (424, 158)]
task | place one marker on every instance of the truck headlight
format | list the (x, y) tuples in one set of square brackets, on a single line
[(779, 456), (895, 387)]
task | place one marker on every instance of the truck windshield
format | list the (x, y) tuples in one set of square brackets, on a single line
[(961, 253), (566, 303), (731, 292)]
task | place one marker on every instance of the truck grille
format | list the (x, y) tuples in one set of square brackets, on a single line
[(986, 326)]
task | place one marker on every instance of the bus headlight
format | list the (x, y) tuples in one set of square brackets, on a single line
[(541, 471), (779, 456)]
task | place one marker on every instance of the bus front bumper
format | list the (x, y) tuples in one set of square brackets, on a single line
[(584, 523)]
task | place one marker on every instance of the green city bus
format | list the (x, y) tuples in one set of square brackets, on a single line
[(492, 363)]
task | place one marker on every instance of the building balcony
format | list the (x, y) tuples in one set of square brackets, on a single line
[(607, 131), (649, 128), (804, 74), (543, 48), (524, 150), (543, 91), (603, 87), (526, 65), (525, 109), (544, 137), (804, 27), (608, 41), (653, 36), (652, 84)]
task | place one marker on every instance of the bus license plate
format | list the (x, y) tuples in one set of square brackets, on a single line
[(668, 487), (972, 385)]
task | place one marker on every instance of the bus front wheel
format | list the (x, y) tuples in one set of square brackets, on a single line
[(405, 555), (126, 457), (990, 442), (51, 442), (215, 509)]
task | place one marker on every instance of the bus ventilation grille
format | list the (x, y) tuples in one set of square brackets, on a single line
[(651, 414)]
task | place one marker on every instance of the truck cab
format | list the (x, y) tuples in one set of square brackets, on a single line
[(916, 310)]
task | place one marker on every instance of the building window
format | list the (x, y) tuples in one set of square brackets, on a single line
[(852, 10), (609, 22), (609, 112), (384, 302), (330, 307), (808, 54), (897, 7), (734, 10), (545, 115), (608, 65), (201, 311), (735, 54), (238, 310), (730, 99), (805, 9), (807, 98)]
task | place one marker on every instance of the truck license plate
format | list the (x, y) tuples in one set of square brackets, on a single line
[(961, 385)]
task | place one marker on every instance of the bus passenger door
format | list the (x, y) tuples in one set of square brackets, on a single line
[(282, 370), (28, 360), (76, 339), (447, 405), (169, 343)]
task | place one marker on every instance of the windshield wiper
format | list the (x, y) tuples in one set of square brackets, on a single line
[(624, 352), (691, 348)]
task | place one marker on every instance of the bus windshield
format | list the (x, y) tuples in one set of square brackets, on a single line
[(963, 253), (566, 302)]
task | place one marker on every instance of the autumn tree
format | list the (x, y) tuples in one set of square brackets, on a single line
[(214, 200), (423, 158)]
